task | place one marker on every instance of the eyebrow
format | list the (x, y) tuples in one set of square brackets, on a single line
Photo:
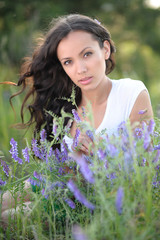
[(79, 53)]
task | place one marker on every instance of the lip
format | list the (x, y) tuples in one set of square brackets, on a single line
[(85, 81)]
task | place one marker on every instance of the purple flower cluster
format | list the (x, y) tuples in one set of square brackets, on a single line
[(90, 134), (2, 183), (75, 140), (39, 152), (5, 167), (76, 116), (14, 151), (70, 203), (78, 233), (43, 135), (79, 196), (84, 168), (119, 200), (25, 153)]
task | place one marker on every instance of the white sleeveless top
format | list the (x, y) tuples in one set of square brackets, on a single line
[(121, 99)]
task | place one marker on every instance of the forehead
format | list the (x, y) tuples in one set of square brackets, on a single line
[(75, 41)]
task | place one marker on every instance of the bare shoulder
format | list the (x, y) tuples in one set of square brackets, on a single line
[(142, 103)]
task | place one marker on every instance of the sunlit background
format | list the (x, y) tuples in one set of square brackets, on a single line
[(134, 26)]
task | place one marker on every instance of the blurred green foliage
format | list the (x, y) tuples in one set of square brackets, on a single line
[(135, 29)]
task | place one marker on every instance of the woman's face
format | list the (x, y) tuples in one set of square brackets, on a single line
[(83, 60)]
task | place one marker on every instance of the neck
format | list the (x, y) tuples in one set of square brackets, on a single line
[(98, 95)]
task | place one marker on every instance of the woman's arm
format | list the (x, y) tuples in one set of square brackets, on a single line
[(142, 103)]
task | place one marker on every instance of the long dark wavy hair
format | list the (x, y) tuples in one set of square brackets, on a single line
[(44, 77)]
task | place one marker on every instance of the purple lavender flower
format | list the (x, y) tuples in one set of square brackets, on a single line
[(44, 193), (49, 154), (156, 147), (111, 176), (79, 196), (75, 140), (138, 133), (43, 135), (78, 233), (36, 150), (38, 176), (151, 126), (34, 182), (14, 151), (2, 183), (25, 153), (157, 157), (147, 141), (5, 167), (142, 111), (70, 203), (101, 154), (144, 162), (119, 200), (76, 116), (64, 147), (89, 133), (84, 168), (112, 150)]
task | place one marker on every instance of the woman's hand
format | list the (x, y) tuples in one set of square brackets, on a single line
[(82, 143)]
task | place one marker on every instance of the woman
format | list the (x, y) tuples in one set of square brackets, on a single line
[(78, 51)]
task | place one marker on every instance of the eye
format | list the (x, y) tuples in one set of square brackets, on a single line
[(67, 62), (87, 54)]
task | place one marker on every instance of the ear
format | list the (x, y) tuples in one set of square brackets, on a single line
[(107, 49)]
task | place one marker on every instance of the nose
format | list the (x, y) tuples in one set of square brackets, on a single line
[(81, 67)]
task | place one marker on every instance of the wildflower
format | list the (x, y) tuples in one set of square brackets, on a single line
[(44, 193), (111, 177), (75, 140), (138, 133), (151, 126), (84, 168), (157, 157), (2, 183), (144, 161), (43, 135), (14, 151), (25, 153), (64, 147), (5, 167), (79, 196), (78, 233), (76, 116), (128, 161), (35, 149), (89, 133), (112, 150), (101, 154), (142, 111), (147, 141), (70, 203), (57, 154), (119, 200), (34, 182), (156, 147), (38, 176)]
